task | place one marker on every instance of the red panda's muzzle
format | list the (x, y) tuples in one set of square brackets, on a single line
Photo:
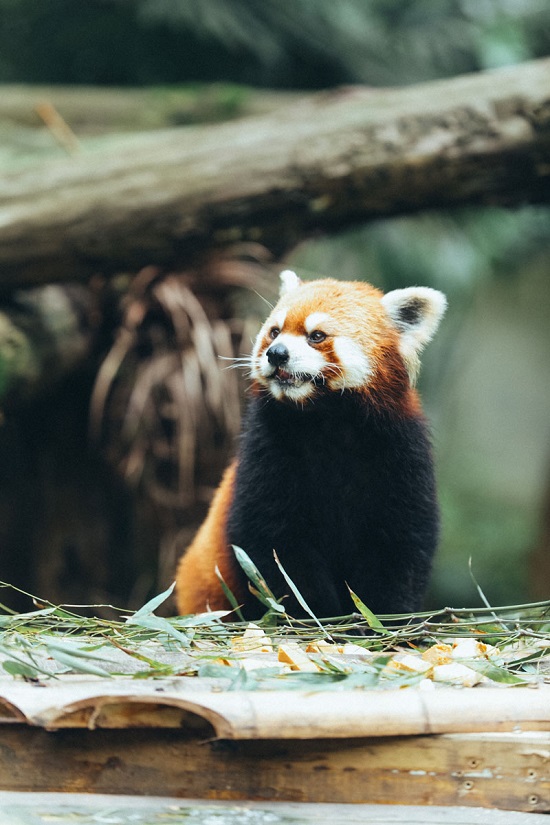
[(290, 368), (279, 357)]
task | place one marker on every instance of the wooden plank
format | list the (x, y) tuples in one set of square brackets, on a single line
[(508, 771), (36, 808)]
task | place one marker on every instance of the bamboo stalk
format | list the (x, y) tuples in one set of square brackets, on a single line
[(283, 715)]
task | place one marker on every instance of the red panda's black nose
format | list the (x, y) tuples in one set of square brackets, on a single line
[(277, 355)]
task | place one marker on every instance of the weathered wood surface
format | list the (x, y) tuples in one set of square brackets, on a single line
[(508, 771), (487, 747), (74, 701), (34, 809), (323, 163)]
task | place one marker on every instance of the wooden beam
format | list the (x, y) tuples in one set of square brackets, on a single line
[(326, 162), (29, 809), (508, 771)]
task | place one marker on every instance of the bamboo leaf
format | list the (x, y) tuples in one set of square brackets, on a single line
[(275, 606), (495, 673), (237, 678), (203, 619), (253, 573), (20, 669), (531, 658), (155, 673), (373, 621), (299, 598), (323, 680), (154, 664), (476, 585), (261, 598), (160, 625), (74, 650), (13, 653), (228, 593), (76, 663), (211, 670), (152, 604), (257, 585)]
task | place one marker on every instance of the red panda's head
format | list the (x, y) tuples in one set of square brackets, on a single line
[(332, 336)]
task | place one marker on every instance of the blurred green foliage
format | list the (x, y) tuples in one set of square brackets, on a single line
[(277, 43)]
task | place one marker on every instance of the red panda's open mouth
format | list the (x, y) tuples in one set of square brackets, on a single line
[(291, 379), (296, 379)]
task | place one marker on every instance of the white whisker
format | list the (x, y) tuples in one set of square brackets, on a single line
[(240, 362), (337, 371), (271, 306)]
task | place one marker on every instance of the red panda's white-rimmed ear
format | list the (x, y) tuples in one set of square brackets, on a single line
[(416, 312), (289, 282)]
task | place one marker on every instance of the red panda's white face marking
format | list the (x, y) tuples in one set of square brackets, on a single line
[(330, 336), (356, 366), (278, 319), (316, 321)]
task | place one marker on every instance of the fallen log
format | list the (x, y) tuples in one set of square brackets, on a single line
[(326, 162)]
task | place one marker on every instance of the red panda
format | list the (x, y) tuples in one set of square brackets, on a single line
[(334, 468)]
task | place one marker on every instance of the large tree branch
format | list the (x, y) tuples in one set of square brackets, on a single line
[(323, 163)]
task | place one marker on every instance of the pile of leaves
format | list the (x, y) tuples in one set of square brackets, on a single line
[(507, 646)]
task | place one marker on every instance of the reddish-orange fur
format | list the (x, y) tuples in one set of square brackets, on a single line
[(208, 550)]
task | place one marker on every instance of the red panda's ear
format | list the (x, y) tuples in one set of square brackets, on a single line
[(289, 281), (416, 312)]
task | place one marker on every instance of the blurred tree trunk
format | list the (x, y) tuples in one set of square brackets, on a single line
[(326, 162), (45, 333)]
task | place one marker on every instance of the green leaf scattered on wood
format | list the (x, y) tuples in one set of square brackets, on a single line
[(53, 640), (20, 669), (373, 621)]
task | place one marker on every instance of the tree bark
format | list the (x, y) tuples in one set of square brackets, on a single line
[(326, 162)]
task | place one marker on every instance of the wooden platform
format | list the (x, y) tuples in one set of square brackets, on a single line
[(184, 737), (39, 809)]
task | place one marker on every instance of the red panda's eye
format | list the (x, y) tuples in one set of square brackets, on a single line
[(273, 332), (316, 336)]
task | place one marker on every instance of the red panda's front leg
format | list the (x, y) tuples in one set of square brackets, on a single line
[(197, 586)]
